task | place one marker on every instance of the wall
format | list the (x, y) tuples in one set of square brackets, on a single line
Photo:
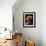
[(6, 13), (28, 6), (43, 22), (6, 16)]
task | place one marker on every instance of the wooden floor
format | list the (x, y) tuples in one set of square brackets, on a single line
[(9, 43)]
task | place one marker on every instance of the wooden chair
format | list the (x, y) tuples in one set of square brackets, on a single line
[(29, 43), (18, 39)]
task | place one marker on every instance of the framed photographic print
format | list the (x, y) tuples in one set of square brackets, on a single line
[(29, 19)]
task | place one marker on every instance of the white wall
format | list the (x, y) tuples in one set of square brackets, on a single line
[(6, 13), (43, 22), (28, 6), (37, 34), (6, 16)]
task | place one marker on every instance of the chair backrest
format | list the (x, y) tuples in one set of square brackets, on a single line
[(18, 37), (29, 43)]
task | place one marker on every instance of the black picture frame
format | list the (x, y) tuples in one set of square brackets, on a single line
[(29, 19)]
